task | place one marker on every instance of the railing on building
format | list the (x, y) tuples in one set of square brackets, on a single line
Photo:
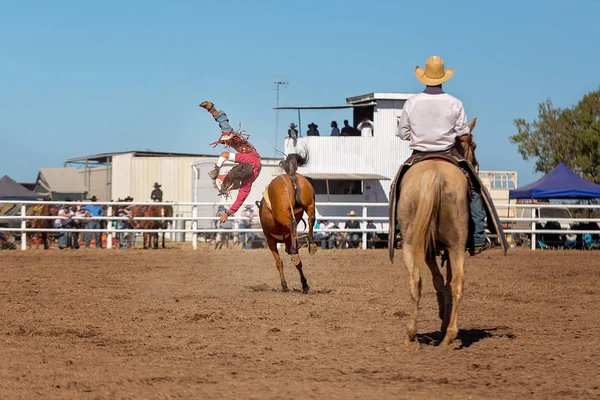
[(110, 231)]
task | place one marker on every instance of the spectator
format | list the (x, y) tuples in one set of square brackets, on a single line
[(70, 224), (292, 132), (336, 237), (95, 211), (228, 224), (347, 130), (122, 238), (366, 127), (352, 237), (316, 234), (327, 240), (157, 194), (82, 218), (312, 130), (61, 223), (371, 236), (334, 129), (248, 216)]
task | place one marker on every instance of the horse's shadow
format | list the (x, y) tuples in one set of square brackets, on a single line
[(467, 337)]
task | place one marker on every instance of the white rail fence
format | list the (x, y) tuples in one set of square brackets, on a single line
[(195, 230)]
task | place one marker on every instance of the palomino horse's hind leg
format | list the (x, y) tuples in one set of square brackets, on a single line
[(454, 288), (415, 290), (438, 284), (278, 263), (312, 247)]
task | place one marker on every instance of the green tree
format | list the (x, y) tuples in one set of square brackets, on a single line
[(570, 136)]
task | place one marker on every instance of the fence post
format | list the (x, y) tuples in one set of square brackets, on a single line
[(533, 238), (108, 228), (364, 234), (23, 226), (194, 227)]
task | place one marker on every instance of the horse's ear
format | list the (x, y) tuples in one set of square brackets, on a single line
[(472, 124)]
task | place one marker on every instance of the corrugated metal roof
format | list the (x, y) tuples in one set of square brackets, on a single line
[(378, 96), (342, 176), (324, 107)]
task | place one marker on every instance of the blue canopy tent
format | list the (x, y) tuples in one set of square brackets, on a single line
[(560, 183)]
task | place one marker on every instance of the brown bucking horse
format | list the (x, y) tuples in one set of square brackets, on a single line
[(282, 207), (433, 215)]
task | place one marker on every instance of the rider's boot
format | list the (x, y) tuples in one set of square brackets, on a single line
[(210, 107)]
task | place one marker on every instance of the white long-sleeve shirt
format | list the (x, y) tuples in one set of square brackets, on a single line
[(432, 120)]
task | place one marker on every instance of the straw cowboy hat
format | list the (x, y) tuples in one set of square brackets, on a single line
[(434, 73), (352, 213)]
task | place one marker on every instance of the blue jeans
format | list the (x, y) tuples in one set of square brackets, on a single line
[(246, 236), (88, 236), (477, 216), (352, 239), (327, 241), (223, 121)]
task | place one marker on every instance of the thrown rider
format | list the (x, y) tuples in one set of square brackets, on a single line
[(433, 121), (248, 167)]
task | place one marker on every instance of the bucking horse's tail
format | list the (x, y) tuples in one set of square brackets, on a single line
[(290, 166)]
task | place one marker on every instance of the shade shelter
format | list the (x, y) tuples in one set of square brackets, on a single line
[(11, 190), (560, 183)]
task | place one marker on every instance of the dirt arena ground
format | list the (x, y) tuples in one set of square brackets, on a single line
[(214, 324)]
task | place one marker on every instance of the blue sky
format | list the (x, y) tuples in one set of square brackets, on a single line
[(86, 77)]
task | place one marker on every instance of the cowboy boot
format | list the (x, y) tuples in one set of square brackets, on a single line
[(214, 172), (208, 105)]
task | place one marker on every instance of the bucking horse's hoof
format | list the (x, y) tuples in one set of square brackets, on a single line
[(305, 289), (312, 248), (296, 259)]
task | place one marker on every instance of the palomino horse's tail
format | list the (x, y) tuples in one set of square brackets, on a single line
[(290, 166), (424, 223)]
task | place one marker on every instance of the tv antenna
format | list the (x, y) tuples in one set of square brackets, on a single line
[(279, 81)]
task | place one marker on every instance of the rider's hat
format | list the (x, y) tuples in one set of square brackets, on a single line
[(434, 73)]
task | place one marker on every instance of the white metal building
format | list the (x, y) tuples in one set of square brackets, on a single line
[(360, 169)]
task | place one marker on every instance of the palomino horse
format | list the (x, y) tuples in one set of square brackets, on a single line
[(433, 214), (290, 196)]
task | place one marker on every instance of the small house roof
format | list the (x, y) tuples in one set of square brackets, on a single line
[(60, 180)]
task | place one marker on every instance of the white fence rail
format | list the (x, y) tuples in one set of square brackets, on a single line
[(194, 218)]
